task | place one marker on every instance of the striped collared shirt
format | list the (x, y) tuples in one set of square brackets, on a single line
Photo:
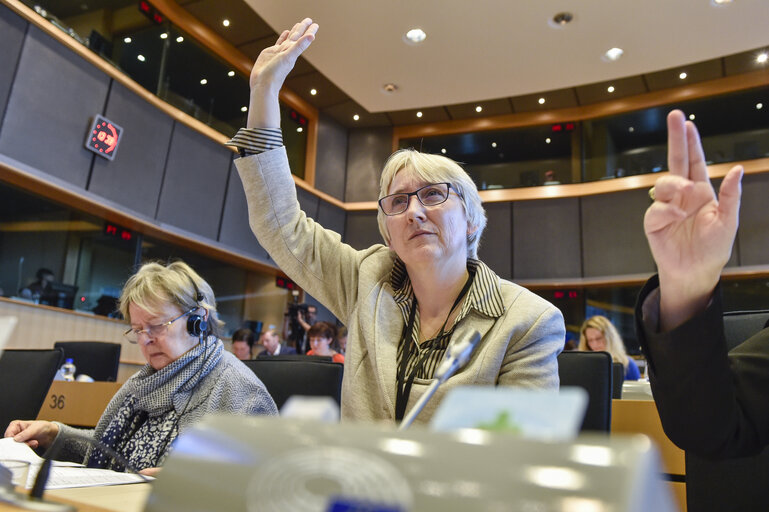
[(484, 296)]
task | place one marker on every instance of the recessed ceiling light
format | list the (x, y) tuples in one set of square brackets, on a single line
[(718, 3), (179, 39), (419, 113), (493, 144), (226, 22), (561, 19), (164, 35), (127, 40), (762, 57), (390, 88), (313, 91), (244, 109), (631, 129), (613, 54), (759, 106), (541, 101), (230, 73), (610, 88), (141, 58), (203, 81), (479, 109), (443, 150), (691, 117), (683, 75), (299, 129), (547, 140), (355, 117), (415, 36)]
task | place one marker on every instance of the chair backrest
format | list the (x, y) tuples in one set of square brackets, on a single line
[(25, 377), (617, 379), (733, 484), (308, 376), (97, 359), (591, 371), (741, 325)]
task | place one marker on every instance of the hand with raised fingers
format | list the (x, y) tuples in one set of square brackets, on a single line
[(690, 230), (271, 69)]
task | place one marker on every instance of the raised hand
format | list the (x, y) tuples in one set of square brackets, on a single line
[(270, 70), (690, 230)]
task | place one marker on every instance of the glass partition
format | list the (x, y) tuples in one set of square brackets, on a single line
[(170, 64)]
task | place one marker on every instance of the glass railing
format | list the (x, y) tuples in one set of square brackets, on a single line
[(734, 127), (170, 64)]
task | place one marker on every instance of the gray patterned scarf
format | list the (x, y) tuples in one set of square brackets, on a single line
[(142, 425)]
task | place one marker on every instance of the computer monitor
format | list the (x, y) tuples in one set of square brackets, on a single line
[(59, 295)]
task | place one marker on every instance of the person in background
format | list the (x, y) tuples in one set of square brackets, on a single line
[(321, 336), (273, 346), (44, 277), (599, 334), (712, 402), (243, 343), (172, 315), (405, 302)]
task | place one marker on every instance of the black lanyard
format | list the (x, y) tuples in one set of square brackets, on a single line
[(403, 388)]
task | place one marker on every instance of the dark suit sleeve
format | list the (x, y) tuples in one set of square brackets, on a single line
[(711, 403)]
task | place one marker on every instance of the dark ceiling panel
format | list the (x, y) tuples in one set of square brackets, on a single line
[(490, 108), (595, 93), (429, 115), (245, 24), (708, 70), (744, 62), (328, 93), (343, 113), (562, 98)]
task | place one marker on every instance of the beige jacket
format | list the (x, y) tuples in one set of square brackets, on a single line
[(518, 348)]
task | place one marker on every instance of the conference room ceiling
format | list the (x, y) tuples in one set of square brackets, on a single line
[(501, 55)]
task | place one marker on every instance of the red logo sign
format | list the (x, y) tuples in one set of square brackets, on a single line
[(103, 137)]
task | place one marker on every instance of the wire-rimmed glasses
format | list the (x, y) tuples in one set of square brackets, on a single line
[(429, 195), (153, 331)]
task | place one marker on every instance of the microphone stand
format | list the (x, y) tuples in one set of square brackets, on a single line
[(457, 356)]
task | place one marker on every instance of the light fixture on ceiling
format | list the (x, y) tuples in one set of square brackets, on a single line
[(355, 117), (631, 129), (762, 57), (493, 144), (683, 75), (299, 129), (541, 101), (230, 73), (313, 92), (203, 81), (226, 22), (478, 109), (415, 36), (389, 88), (692, 117), (244, 109), (613, 54), (443, 150), (419, 113), (141, 57), (719, 3), (561, 19), (547, 140), (610, 89), (164, 35), (127, 40), (759, 106), (179, 39)]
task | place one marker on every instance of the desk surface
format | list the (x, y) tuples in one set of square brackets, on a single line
[(113, 498)]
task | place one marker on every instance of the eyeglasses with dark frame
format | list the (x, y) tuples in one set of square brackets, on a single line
[(429, 195), (153, 331)]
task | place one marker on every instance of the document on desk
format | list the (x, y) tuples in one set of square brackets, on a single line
[(63, 475)]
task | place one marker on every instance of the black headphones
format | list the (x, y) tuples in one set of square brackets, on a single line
[(197, 325)]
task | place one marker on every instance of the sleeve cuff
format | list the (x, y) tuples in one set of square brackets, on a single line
[(252, 141)]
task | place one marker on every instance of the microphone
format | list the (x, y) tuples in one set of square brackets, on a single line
[(456, 357)]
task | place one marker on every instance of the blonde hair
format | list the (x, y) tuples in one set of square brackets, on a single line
[(155, 284), (436, 169), (614, 344)]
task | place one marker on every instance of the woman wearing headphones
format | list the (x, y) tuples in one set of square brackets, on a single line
[(172, 315)]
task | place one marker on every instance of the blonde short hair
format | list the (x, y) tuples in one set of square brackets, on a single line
[(154, 285), (436, 169), (614, 343)]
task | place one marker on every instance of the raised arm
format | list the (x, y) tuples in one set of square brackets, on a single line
[(270, 71), (690, 230)]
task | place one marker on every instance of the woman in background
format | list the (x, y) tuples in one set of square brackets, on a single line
[(598, 334), (321, 336)]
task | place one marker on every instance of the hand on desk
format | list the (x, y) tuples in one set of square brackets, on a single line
[(37, 434), (150, 471)]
